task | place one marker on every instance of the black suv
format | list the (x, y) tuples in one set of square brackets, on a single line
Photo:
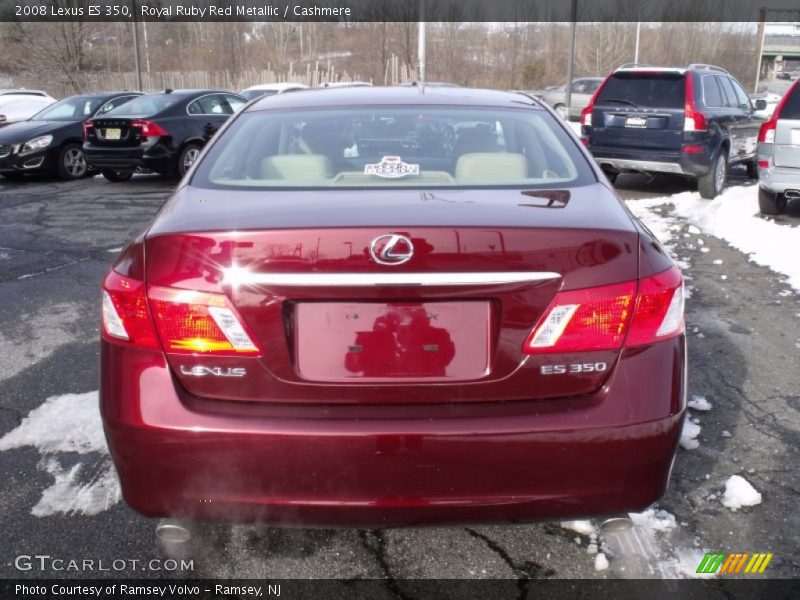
[(162, 132), (691, 121)]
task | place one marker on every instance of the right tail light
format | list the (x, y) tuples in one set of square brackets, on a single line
[(608, 317)]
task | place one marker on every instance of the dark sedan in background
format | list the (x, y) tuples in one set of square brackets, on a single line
[(51, 141), (337, 321), (162, 132)]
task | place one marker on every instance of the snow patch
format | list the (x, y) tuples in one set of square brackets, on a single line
[(68, 423), (689, 435), (600, 562), (739, 493), (699, 403), (586, 528), (654, 520)]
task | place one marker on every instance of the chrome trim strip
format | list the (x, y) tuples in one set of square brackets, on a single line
[(640, 165), (243, 277)]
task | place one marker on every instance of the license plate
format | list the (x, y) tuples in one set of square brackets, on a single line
[(113, 134), (636, 122), (428, 341)]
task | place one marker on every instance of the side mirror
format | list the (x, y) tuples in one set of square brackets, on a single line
[(761, 104)]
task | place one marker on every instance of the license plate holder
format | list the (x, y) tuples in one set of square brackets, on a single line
[(636, 122), (394, 341)]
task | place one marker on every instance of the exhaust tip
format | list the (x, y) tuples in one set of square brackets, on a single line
[(173, 532), (792, 194), (616, 524)]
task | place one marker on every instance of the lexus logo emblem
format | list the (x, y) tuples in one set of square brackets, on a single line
[(391, 249)]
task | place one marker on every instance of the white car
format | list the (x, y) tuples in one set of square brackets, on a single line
[(268, 89), (14, 107)]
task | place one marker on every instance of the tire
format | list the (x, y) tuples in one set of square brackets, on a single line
[(770, 203), (712, 183), (561, 111), (187, 157), (72, 162), (116, 176), (752, 169)]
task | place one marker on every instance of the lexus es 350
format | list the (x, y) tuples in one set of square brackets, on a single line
[(384, 307)]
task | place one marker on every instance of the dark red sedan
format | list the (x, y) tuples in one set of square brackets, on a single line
[(382, 307)]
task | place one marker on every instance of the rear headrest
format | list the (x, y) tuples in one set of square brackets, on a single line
[(296, 166), (491, 167)]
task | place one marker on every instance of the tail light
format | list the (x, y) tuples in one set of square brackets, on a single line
[(603, 318), (586, 113), (150, 128), (766, 134), (179, 321), (88, 128), (693, 120)]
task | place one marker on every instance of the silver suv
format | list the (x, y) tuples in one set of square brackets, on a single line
[(779, 155)]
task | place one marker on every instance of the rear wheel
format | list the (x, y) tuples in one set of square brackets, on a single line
[(72, 162), (116, 175), (187, 157), (710, 185), (770, 203), (752, 169)]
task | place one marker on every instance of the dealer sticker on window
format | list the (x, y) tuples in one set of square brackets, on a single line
[(391, 167)]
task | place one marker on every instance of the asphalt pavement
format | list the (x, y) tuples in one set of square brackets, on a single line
[(57, 239)]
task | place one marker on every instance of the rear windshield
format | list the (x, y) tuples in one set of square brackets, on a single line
[(394, 147), (791, 110), (144, 106), (645, 89)]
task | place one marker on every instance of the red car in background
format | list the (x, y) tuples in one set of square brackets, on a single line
[(388, 306)]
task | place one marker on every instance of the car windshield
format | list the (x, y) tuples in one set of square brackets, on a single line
[(654, 89), (394, 147), (144, 106), (76, 108)]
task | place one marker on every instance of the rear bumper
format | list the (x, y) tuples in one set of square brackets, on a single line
[(505, 464), (652, 161), (156, 158)]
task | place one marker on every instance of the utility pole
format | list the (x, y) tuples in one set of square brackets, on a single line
[(571, 57), (421, 46), (761, 30), (636, 49), (136, 58)]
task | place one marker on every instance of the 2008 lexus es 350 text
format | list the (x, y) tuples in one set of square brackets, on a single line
[(393, 306)]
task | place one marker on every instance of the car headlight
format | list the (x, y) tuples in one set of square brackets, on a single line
[(36, 144)]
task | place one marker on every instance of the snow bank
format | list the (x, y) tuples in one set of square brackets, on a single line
[(733, 217), (739, 493)]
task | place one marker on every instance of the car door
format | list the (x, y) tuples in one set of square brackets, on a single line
[(747, 122), (208, 113), (581, 93), (732, 120)]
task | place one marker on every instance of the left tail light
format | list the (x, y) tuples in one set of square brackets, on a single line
[(766, 133), (608, 317), (586, 113), (88, 128), (175, 320)]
